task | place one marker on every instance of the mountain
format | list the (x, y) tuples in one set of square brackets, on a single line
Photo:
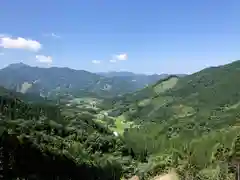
[(17, 65), (187, 106), (189, 125), (117, 73), (27, 97), (131, 74), (54, 81), (208, 94), (196, 114), (140, 80)]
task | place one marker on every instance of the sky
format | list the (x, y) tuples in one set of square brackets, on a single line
[(154, 36)]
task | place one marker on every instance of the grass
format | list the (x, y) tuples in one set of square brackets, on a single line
[(120, 124), (183, 111), (166, 85), (159, 102), (144, 102)]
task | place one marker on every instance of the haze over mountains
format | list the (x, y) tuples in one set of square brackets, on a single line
[(54, 80)]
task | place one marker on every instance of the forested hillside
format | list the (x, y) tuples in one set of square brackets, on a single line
[(199, 110), (39, 142), (187, 124), (54, 82)]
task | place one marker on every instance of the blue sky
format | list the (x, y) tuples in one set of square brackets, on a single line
[(153, 36)]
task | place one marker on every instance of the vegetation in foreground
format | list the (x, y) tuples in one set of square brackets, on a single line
[(189, 124)]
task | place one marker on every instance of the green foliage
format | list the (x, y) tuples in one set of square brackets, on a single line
[(57, 82), (199, 113), (44, 133), (235, 150), (190, 124)]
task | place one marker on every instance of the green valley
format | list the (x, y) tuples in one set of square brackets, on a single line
[(188, 124)]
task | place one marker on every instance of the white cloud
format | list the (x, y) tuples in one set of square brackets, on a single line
[(44, 59), (113, 60), (19, 43), (96, 62), (122, 57), (4, 35), (52, 35)]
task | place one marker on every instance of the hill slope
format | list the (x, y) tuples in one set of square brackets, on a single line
[(54, 81), (208, 94), (27, 97), (189, 124), (55, 142), (198, 113)]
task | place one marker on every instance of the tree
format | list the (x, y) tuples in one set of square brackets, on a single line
[(235, 156)]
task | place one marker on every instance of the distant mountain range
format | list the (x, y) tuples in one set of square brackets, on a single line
[(131, 74), (140, 80), (54, 81), (126, 73)]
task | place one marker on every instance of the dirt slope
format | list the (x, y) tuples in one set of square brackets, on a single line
[(169, 176)]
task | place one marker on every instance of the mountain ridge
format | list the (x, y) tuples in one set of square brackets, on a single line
[(187, 124), (196, 96), (55, 80)]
